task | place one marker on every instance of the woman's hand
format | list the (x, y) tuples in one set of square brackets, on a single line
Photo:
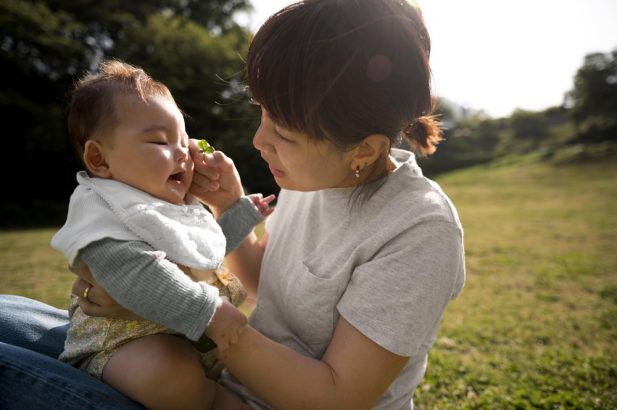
[(96, 301), (216, 181)]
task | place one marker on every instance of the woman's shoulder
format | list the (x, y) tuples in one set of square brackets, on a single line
[(407, 195), (404, 198)]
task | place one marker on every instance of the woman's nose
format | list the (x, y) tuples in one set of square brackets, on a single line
[(262, 140), (258, 138)]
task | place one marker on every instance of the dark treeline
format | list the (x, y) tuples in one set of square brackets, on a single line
[(198, 50), (195, 47), (584, 126)]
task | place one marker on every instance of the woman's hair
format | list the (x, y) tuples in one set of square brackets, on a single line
[(92, 105), (344, 69)]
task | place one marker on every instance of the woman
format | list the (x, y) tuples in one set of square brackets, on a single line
[(362, 253)]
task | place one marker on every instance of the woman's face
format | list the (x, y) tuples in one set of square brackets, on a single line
[(299, 163)]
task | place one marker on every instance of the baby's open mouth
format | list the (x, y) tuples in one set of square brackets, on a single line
[(177, 176)]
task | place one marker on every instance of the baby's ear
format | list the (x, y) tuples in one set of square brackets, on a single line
[(94, 158)]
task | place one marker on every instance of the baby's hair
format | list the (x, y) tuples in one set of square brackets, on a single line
[(345, 69), (92, 105)]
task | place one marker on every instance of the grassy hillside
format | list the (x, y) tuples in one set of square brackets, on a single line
[(536, 324)]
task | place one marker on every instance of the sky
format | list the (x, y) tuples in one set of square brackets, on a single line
[(500, 55)]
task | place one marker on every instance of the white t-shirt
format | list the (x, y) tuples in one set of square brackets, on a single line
[(389, 266)]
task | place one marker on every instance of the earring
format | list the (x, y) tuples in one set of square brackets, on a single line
[(357, 173)]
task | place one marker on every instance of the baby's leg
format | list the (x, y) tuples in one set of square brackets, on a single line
[(161, 372)]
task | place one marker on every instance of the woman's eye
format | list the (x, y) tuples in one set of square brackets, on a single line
[(158, 142), (280, 136)]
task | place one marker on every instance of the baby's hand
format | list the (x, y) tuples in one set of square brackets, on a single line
[(226, 325), (263, 204)]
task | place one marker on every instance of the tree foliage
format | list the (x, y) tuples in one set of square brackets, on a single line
[(594, 97), (193, 46), (584, 127), (198, 50)]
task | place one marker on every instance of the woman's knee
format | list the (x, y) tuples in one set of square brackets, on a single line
[(32, 325)]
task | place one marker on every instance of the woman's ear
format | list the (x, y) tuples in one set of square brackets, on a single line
[(369, 151), (94, 158)]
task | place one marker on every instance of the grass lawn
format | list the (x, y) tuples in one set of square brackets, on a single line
[(536, 325)]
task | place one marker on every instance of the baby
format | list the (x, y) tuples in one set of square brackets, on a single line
[(131, 220)]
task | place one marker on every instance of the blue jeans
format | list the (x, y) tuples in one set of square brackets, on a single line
[(31, 338)]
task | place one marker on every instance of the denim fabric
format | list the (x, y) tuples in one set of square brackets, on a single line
[(31, 337), (32, 325)]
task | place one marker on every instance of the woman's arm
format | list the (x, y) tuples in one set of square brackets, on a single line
[(353, 373), (245, 261), (395, 301)]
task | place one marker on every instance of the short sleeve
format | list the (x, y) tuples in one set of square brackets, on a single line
[(397, 298)]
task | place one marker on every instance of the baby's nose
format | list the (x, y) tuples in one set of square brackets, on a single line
[(181, 153)]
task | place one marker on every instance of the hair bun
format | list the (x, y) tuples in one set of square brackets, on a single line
[(423, 134)]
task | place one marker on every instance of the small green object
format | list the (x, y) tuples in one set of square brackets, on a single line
[(204, 147)]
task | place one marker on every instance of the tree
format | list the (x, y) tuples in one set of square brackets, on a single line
[(529, 125), (593, 99), (193, 46)]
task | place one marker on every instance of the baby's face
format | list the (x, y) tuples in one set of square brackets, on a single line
[(148, 148)]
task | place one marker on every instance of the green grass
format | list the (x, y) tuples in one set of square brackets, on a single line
[(31, 268), (536, 324)]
